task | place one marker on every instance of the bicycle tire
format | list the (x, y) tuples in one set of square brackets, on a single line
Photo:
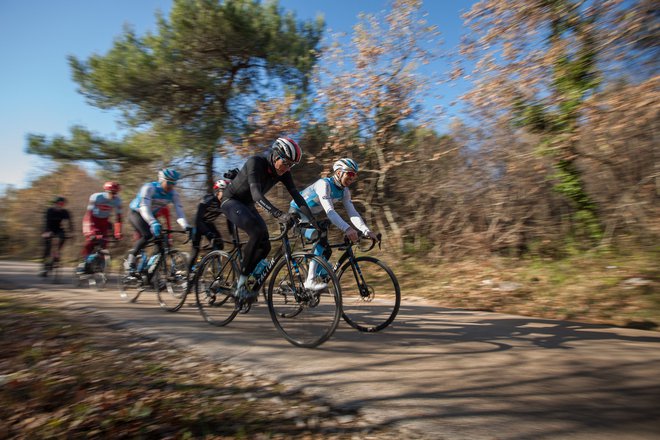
[(215, 282), (372, 306), (170, 280), (130, 286), (305, 318), (101, 277)]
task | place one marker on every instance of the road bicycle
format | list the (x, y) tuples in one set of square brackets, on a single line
[(52, 264), (371, 295), (304, 317), (178, 302), (165, 270), (97, 265)]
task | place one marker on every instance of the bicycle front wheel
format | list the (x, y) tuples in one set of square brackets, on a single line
[(130, 284), (371, 296), (171, 281), (215, 283), (305, 317)]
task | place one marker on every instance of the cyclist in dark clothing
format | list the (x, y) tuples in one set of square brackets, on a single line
[(259, 174), (208, 210), (55, 216)]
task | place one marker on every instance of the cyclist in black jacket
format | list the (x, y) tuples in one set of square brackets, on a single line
[(55, 216), (208, 210), (259, 174)]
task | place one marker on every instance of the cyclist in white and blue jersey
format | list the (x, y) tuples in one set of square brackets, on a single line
[(321, 197), (152, 197)]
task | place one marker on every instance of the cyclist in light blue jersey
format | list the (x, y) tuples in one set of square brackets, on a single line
[(320, 197), (151, 198)]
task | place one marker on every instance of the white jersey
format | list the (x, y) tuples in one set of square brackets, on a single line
[(321, 196)]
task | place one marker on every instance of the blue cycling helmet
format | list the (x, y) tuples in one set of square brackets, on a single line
[(168, 175), (345, 164)]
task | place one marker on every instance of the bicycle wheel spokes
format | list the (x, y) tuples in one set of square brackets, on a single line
[(305, 318), (215, 282), (371, 300), (130, 285), (171, 281)]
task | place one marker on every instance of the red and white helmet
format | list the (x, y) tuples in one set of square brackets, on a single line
[(287, 149), (220, 185), (111, 187)]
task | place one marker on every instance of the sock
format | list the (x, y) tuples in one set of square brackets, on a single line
[(312, 270), (241, 281)]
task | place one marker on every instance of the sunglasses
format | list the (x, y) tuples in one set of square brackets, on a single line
[(350, 174), (287, 163)]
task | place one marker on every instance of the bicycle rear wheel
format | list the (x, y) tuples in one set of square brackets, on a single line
[(215, 282), (371, 296), (130, 284), (171, 281), (304, 317)]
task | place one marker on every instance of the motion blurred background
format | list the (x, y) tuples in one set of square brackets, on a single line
[(509, 155)]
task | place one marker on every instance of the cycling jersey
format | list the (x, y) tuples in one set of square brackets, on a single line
[(54, 219), (255, 179), (101, 206), (151, 198), (321, 196), (208, 209)]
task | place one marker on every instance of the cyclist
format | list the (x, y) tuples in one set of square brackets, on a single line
[(151, 198), (320, 197), (259, 174), (96, 222), (208, 210), (54, 217)]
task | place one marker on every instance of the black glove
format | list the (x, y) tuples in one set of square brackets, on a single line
[(288, 219)]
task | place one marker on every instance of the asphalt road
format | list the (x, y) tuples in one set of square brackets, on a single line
[(436, 373)]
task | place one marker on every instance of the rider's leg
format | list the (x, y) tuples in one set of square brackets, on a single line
[(246, 218), (142, 227)]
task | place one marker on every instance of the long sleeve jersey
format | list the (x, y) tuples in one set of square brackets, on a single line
[(321, 196), (255, 179), (151, 198)]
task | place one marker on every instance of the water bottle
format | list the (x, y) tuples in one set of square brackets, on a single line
[(311, 234), (263, 264), (143, 262), (91, 262), (153, 260)]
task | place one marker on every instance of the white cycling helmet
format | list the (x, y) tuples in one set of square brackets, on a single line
[(345, 164)]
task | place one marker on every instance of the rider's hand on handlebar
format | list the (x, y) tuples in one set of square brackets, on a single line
[(372, 235), (156, 229), (352, 234), (288, 219), (118, 236)]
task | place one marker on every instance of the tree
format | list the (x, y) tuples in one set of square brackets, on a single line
[(199, 76), (370, 90), (539, 62)]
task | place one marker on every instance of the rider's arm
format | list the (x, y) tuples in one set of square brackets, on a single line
[(70, 220), (118, 210), (146, 192), (322, 189), (87, 218), (287, 179), (254, 175), (181, 216), (355, 217)]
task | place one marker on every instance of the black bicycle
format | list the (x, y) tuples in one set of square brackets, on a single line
[(165, 270), (371, 295), (52, 265), (305, 318)]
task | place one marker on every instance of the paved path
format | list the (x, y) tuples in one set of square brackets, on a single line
[(437, 373)]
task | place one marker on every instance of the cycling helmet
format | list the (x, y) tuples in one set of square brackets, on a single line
[(220, 185), (288, 149), (345, 164), (59, 199), (112, 187), (168, 175)]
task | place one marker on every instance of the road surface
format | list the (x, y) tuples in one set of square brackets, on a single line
[(436, 373)]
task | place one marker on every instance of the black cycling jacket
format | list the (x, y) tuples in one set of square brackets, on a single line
[(255, 179)]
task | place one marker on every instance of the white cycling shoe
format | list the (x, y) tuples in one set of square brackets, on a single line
[(315, 286)]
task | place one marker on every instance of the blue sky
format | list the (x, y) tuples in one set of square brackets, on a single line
[(37, 92)]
